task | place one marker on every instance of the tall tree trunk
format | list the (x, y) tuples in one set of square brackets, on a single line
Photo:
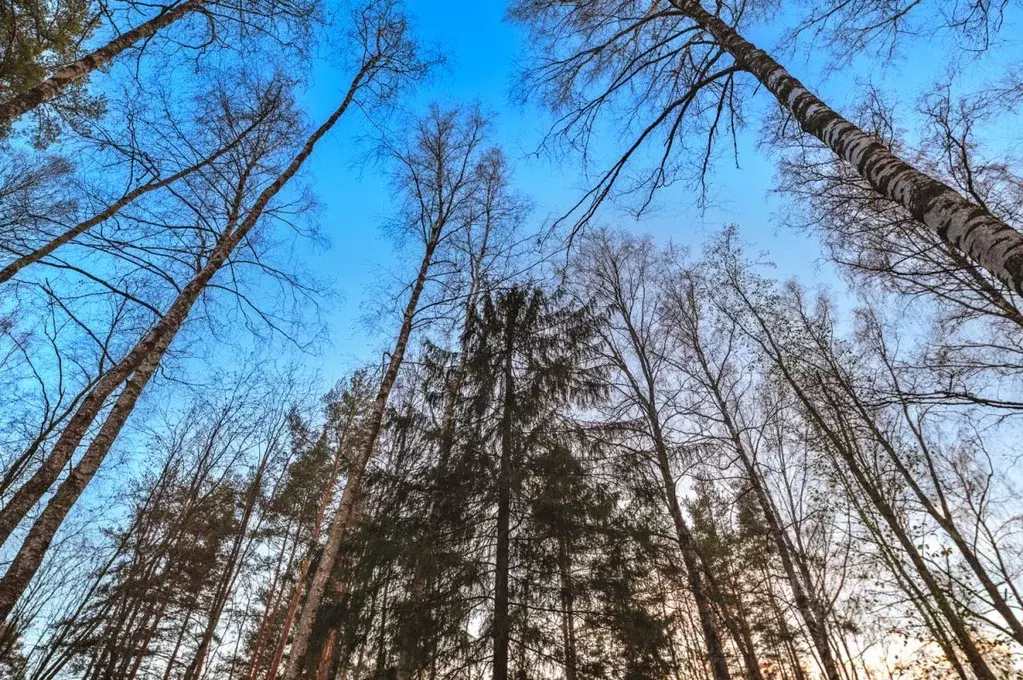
[(645, 396), (75, 71), (567, 594), (33, 549), (143, 361), (343, 516), (409, 660), (963, 224), (306, 563), (691, 560), (227, 578), (502, 619), (273, 601)]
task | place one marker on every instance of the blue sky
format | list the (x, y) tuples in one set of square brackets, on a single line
[(483, 53)]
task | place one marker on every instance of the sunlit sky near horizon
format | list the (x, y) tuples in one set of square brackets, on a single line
[(484, 54)]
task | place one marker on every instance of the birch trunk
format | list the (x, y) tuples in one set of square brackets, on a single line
[(75, 71), (694, 571), (30, 555), (959, 222)]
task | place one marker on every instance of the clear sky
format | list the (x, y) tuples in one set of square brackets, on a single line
[(483, 53)]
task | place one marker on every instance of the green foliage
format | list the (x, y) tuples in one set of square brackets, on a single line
[(38, 35)]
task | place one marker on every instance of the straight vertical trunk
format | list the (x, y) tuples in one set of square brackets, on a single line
[(963, 224), (75, 71), (567, 608), (502, 620)]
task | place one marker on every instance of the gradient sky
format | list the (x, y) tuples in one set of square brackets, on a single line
[(483, 54)]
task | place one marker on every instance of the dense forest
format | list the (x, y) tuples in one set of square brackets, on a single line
[(578, 451)]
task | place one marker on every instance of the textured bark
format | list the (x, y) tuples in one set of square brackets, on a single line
[(39, 537), (8, 272), (144, 357), (343, 517), (963, 224), (75, 71)]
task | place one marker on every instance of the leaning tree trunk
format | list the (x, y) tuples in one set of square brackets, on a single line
[(32, 550), (409, 655), (959, 222), (694, 568), (75, 71), (346, 510), (839, 443), (144, 357), (702, 595), (8, 272), (306, 563)]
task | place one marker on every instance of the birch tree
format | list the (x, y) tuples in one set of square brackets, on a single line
[(674, 65)]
